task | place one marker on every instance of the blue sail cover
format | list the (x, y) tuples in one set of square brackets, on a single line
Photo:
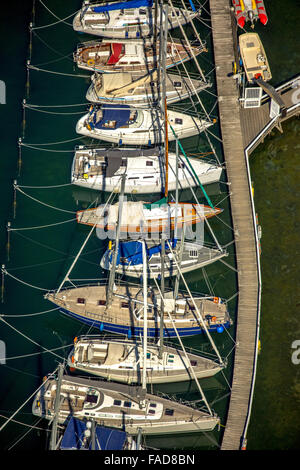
[(132, 252), (122, 5), (106, 439), (118, 114)]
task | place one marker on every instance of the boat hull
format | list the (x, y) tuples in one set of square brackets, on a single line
[(138, 331)]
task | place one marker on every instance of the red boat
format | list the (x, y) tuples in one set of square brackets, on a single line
[(250, 10)]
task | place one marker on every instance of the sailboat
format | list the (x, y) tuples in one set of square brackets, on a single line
[(123, 361), (131, 19), (101, 169), (118, 406), (123, 124), (130, 55), (133, 89), (194, 255), (143, 218), (124, 315)]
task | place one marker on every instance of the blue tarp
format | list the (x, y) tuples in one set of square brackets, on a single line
[(132, 252), (119, 114), (106, 439), (122, 5)]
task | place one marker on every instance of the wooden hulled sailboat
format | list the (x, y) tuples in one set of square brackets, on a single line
[(139, 56)]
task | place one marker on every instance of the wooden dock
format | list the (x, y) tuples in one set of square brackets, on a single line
[(243, 129), (243, 223)]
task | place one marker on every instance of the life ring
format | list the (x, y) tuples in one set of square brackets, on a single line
[(75, 340), (216, 300), (214, 319), (73, 359), (91, 62)]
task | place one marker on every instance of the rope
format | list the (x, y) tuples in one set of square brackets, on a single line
[(53, 50), (40, 226), (25, 434), (29, 314), (45, 187), (25, 424), (28, 399), (31, 340), (32, 67), (60, 20), (51, 112), (37, 353), (53, 143), (43, 203), (22, 282)]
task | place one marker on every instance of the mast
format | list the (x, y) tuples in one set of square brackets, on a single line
[(144, 377), (56, 408), (162, 288), (163, 102), (115, 255)]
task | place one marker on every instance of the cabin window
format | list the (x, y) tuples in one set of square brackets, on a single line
[(169, 412), (148, 357), (148, 177), (153, 405), (133, 62), (171, 360), (101, 302), (142, 12), (125, 305), (127, 404), (117, 402), (149, 163), (81, 300), (177, 84), (178, 121), (193, 253), (194, 363), (151, 412)]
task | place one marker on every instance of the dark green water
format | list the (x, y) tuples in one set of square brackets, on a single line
[(41, 257)]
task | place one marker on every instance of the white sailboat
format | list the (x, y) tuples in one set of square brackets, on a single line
[(119, 406), (132, 89), (194, 255), (101, 169), (128, 125), (131, 19)]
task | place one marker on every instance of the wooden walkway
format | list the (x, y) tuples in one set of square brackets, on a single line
[(256, 122), (243, 223)]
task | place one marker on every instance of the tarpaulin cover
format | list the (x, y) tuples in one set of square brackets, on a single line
[(106, 439), (118, 114), (132, 252), (122, 5)]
